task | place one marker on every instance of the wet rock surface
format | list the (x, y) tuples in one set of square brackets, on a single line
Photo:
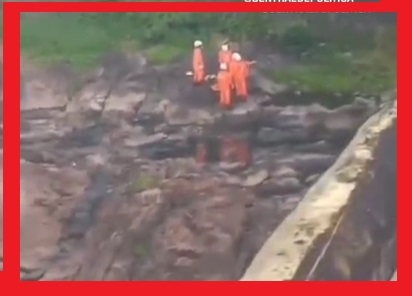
[(345, 226), (364, 244), (142, 177)]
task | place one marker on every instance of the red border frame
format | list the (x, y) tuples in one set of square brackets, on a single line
[(11, 158)]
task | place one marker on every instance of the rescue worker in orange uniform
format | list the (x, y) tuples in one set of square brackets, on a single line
[(240, 72), (198, 64), (224, 86), (225, 54)]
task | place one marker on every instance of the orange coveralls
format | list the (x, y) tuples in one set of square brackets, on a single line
[(225, 57), (240, 71), (198, 65), (224, 83)]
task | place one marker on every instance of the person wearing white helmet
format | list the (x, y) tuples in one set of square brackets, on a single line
[(236, 57), (225, 54), (240, 72), (225, 47), (224, 83), (197, 43), (198, 63)]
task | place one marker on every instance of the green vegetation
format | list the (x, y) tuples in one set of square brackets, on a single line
[(144, 182), (142, 250), (365, 64), (335, 52), (370, 73)]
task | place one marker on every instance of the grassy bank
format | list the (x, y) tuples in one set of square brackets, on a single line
[(368, 73), (337, 52), (82, 39)]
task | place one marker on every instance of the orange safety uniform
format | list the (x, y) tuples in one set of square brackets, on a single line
[(225, 57), (240, 72), (199, 73), (224, 83)]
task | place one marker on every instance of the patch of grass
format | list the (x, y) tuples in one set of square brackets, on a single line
[(370, 73), (163, 54), (347, 63), (144, 182), (142, 250), (81, 39), (63, 37)]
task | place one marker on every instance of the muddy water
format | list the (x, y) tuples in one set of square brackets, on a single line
[(220, 145)]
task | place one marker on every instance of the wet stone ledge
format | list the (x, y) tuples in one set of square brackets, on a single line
[(345, 227), (363, 243)]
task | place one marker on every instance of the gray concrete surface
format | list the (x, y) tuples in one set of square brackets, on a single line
[(282, 254)]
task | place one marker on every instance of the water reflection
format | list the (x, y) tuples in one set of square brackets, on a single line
[(230, 149)]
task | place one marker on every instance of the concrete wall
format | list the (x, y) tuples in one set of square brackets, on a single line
[(310, 244)]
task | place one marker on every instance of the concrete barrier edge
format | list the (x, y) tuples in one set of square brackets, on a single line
[(284, 250)]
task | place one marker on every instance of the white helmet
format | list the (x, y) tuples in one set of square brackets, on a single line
[(237, 57), (197, 43), (223, 66), (225, 47)]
